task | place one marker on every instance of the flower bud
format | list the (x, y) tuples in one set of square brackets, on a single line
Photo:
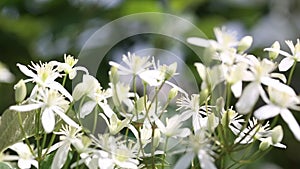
[(156, 138), (227, 116), (277, 134), (113, 75), (264, 145), (172, 93), (170, 71), (245, 43), (212, 122), (20, 91), (273, 55)]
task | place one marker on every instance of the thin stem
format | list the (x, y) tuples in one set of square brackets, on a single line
[(64, 80), (165, 153), (37, 137), (95, 119), (228, 93), (291, 73)]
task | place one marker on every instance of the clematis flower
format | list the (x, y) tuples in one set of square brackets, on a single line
[(114, 124), (281, 100), (260, 74), (25, 158), (68, 136), (91, 88), (262, 133), (50, 102), (134, 64), (45, 76), (173, 127), (289, 59), (201, 115), (68, 66)]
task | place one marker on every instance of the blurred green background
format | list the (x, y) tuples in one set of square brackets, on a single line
[(33, 30)]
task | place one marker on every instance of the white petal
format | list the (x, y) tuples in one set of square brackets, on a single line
[(248, 98), (23, 163), (285, 64), (152, 77), (61, 89), (60, 156), (26, 71), (25, 108), (266, 112), (66, 118), (106, 108), (198, 42), (183, 132), (79, 91), (288, 117), (237, 89), (279, 76), (87, 108), (48, 120), (278, 51)]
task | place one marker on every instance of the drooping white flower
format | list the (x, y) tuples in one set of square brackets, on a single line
[(282, 99), (25, 158), (5, 75), (114, 124), (261, 74), (173, 127), (134, 64), (50, 102), (256, 131), (289, 59), (69, 66), (91, 88), (200, 114), (44, 75), (68, 136)]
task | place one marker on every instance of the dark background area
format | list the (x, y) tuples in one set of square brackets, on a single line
[(33, 30)]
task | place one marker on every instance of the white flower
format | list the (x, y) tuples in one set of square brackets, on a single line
[(210, 76), (261, 74), (68, 66), (159, 74), (44, 76), (114, 124), (68, 136), (134, 64), (124, 157), (232, 119), (260, 132), (200, 114), (204, 150), (121, 94), (5, 75), (50, 102), (287, 62), (25, 157), (282, 99), (173, 127), (91, 88)]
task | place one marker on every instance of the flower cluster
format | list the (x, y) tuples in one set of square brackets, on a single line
[(144, 130)]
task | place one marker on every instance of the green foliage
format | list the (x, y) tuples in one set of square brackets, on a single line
[(4, 166), (10, 124)]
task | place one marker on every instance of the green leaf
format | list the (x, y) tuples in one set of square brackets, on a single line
[(4, 166), (47, 162), (10, 130)]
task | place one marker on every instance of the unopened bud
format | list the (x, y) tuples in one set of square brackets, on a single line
[(212, 122), (172, 93), (277, 134), (273, 55), (245, 43), (264, 145), (113, 75), (156, 138), (20, 91)]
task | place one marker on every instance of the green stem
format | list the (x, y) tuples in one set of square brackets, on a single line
[(291, 73), (64, 80), (165, 153), (95, 119), (228, 93), (37, 137)]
